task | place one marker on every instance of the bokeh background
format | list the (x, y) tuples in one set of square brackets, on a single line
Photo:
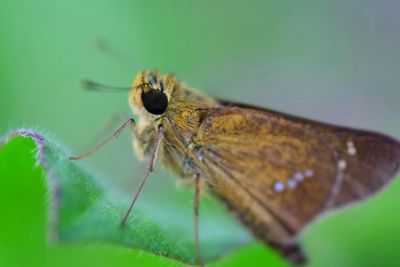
[(336, 61)]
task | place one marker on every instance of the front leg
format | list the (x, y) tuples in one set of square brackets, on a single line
[(154, 151), (131, 122), (197, 196)]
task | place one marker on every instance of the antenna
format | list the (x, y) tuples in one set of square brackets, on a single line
[(102, 46), (94, 86)]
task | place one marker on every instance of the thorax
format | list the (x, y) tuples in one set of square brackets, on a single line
[(179, 149)]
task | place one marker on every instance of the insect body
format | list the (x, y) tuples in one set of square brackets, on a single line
[(275, 171)]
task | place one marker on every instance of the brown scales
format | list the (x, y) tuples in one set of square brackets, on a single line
[(256, 160)]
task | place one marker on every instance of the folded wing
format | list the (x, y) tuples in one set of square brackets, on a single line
[(279, 172)]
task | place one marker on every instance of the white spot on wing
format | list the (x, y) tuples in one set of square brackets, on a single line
[(279, 186), (292, 183), (299, 176), (296, 179), (351, 149), (309, 173), (350, 143), (342, 164)]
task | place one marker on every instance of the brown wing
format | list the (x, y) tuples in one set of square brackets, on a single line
[(279, 172)]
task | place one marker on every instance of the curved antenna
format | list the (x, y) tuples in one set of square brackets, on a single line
[(102, 46), (94, 86)]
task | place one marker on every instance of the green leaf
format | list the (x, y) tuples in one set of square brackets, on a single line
[(87, 210), (83, 208)]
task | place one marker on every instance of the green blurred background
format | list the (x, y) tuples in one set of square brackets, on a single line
[(336, 61)]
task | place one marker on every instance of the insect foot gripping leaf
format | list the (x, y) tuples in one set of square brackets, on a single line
[(81, 209)]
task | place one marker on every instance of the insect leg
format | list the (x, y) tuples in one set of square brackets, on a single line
[(197, 195), (116, 119), (130, 122), (154, 152)]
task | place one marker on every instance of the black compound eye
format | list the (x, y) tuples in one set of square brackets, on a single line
[(155, 101)]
